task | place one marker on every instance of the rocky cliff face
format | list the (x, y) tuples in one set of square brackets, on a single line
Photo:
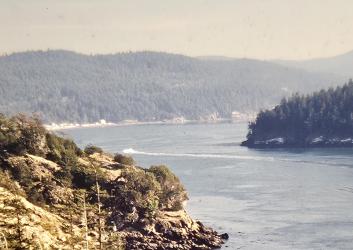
[(55, 196), (50, 227)]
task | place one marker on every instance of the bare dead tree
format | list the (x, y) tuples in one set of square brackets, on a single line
[(85, 220), (99, 212)]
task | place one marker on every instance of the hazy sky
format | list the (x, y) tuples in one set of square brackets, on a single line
[(264, 29)]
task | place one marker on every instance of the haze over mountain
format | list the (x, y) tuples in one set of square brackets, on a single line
[(340, 65), (66, 86)]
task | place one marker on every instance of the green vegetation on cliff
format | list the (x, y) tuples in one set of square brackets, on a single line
[(324, 118), (53, 195)]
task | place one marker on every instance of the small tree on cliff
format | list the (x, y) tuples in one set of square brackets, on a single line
[(91, 149), (30, 135), (172, 193), (136, 192), (124, 159)]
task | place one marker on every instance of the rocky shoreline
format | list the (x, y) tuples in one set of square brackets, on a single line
[(65, 126), (182, 233), (309, 142)]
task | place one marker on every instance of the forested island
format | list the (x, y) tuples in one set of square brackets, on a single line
[(63, 86), (53, 195), (323, 119)]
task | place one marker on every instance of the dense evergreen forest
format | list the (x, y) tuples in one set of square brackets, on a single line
[(324, 118), (63, 86)]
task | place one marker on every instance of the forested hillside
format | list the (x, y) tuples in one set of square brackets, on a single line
[(324, 118), (63, 86)]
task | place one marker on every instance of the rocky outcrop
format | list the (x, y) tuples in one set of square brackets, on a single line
[(174, 230), (40, 228), (60, 226)]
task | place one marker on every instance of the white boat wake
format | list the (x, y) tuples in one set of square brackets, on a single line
[(132, 151)]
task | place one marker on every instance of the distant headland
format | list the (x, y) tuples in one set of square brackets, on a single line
[(323, 119)]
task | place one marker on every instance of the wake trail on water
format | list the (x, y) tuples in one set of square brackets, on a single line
[(132, 151), (219, 156)]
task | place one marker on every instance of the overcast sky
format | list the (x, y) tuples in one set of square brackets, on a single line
[(263, 29)]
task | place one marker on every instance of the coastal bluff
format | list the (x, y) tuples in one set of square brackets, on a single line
[(53, 195)]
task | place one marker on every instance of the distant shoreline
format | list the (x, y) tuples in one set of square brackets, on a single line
[(65, 126), (322, 141)]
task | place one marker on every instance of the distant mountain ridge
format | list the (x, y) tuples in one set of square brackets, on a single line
[(340, 65), (64, 86)]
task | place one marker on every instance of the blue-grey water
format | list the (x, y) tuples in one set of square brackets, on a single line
[(264, 199)]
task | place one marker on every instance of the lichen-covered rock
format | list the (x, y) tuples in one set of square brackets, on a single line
[(38, 225)]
